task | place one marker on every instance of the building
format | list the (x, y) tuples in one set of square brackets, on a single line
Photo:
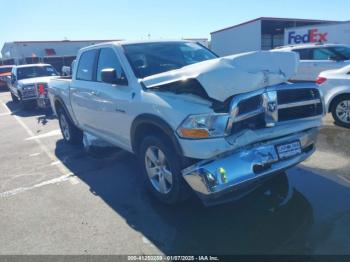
[(336, 33), (56, 53), (263, 33)]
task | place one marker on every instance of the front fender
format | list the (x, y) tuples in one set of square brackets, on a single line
[(158, 122)]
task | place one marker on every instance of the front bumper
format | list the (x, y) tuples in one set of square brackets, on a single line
[(245, 165)]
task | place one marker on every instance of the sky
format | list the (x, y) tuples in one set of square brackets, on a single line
[(156, 19)]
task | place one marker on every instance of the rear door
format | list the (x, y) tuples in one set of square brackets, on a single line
[(81, 90)]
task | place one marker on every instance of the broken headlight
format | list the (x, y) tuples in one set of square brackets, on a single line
[(204, 126)]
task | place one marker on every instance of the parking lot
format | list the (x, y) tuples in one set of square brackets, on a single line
[(59, 199)]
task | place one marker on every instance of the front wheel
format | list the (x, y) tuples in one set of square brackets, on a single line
[(70, 132), (341, 111), (162, 169)]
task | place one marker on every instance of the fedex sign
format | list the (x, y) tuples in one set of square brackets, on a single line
[(311, 36)]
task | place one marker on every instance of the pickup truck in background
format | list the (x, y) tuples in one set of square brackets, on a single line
[(195, 121), (28, 84), (317, 57)]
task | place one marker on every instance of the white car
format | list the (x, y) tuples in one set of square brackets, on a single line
[(335, 85), (315, 58)]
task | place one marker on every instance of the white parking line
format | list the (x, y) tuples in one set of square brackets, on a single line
[(45, 183), (55, 163), (61, 167), (56, 132), (35, 154)]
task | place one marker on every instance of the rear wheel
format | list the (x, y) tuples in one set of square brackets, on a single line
[(162, 169), (70, 132), (341, 110)]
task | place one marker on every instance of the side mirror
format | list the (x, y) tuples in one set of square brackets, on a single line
[(109, 75)]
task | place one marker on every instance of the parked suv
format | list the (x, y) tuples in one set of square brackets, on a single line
[(315, 58)]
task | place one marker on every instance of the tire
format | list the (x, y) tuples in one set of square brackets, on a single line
[(164, 179), (341, 110), (14, 98), (70, 132)]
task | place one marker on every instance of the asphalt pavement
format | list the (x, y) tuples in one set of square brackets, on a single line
[(60, 199)]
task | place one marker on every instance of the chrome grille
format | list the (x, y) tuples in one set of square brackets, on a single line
[(28, 91), (270, 106)]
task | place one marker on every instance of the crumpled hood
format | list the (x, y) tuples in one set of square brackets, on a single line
[(35, 80), (224, 77)]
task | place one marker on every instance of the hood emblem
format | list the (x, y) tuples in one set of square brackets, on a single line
[(272, 106)]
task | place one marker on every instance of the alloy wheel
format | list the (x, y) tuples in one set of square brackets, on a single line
[(158, 170), (343, 111)]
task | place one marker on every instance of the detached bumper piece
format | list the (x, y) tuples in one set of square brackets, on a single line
[(213, 180)]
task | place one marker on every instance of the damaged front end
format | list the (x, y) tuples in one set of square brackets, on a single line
[(259, 132), (212, 179), (259, 125)]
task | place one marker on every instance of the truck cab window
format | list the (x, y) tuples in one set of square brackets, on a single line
[(304, 54), (86, 65), (108, 59), (322, 54)]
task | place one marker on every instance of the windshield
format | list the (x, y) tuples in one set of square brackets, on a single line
[(35, 71), (5, 70), (153, 58)]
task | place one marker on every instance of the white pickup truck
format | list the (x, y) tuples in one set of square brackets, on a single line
[(28, 84), (194, 120)]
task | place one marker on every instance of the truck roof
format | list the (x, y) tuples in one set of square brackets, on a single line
[(309, 45), (120, 43)]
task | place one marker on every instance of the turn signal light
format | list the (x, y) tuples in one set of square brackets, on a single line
[(320, 80), (194, 133)]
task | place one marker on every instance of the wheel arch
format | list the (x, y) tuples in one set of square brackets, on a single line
[(58, 103), (148, 123), (334, 99)]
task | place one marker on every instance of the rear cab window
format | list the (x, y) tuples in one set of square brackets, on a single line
[(304, 54), (86, 65)]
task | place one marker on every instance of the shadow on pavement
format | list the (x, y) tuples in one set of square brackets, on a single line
[(43, 115), (274, 217)]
